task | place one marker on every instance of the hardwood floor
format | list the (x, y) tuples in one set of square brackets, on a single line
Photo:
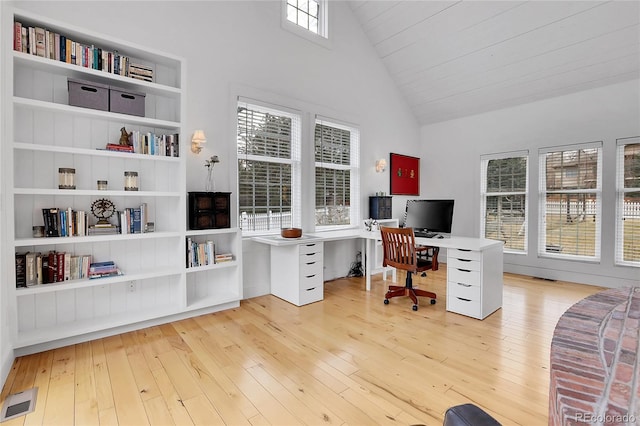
[(347, 360)]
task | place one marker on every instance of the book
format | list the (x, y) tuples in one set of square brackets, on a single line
[(40, 37), (30, 266), (21, 270), (17, 36)]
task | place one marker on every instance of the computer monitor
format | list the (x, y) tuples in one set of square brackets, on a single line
[(429, 216)]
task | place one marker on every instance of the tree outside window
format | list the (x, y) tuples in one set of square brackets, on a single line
[(504, 197)]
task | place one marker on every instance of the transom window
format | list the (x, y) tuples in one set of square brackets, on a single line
[(268, 144), (304, 13), (628, 202), (504, 197), (570, 201), (307, 18), (336, 151)]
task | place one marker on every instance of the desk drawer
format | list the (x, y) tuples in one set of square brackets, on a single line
[(310, 248), (310, 258), (467, 264), (463, 306), (312, 294), (464, 291), (465, 276), (463, 254), (310, 269)]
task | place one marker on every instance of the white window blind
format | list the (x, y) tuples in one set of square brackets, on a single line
[(628, 202), (570, 201), (504, 194), (268, 150), (337, 188)]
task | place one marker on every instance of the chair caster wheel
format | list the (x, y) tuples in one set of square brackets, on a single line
[(433, 301), (415, 307), (386, 301)]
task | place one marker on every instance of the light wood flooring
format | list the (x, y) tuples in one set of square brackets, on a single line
[(349, 359)]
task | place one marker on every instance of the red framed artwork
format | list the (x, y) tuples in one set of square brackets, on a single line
[(405, 175)]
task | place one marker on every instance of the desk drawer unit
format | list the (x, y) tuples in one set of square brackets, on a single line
[(296, 273), (474, 281)]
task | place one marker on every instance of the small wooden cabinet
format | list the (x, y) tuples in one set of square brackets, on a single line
[(208, 210), (380, 207)]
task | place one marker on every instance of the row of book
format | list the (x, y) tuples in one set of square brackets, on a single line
[(204, 253), (49, 44), (134, 220), (149, 143), (43, 268), (64, 222)]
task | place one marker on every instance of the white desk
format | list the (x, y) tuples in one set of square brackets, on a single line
[(474, 266)]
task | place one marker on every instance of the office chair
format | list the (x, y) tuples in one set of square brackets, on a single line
[(400, 251)]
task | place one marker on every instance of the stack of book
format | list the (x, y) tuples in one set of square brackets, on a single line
[(141, 72), (118, 147), (104, 229), (224, 257), (103, 269)]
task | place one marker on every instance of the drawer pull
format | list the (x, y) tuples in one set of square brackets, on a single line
[(464, 260), (310, 289), (310, 245), (463, 299), (310, 263), (310, 254), (463, 270), (464, 249), (464, 285), (310, 276)]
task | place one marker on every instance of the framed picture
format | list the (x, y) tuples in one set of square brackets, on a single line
[(405, 175)]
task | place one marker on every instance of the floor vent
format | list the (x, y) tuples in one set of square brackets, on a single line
[(19, 404)]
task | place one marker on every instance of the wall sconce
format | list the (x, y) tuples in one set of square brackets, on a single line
[(197, 140), (381, 165)]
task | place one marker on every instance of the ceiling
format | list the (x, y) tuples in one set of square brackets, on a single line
[(457, 58)]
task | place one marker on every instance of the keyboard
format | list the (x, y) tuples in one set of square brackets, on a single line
[(425, 234)]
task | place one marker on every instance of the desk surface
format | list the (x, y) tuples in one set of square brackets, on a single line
[(463, 243)]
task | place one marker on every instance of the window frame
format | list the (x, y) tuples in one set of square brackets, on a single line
[(484, 194), (322, 36), (620, 197), (353, 168), (542, 202), (294, 161)]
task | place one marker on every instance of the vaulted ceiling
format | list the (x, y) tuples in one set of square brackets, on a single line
[(456, 58)]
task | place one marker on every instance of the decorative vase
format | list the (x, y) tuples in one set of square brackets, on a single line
[(209, 184)]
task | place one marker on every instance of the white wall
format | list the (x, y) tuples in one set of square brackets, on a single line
[(239, 47), (451, 167)]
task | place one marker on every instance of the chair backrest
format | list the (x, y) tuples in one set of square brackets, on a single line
[(399, 248)]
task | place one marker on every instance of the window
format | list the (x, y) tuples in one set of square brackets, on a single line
[(570, 203), (504, 198), (336, 150), (628, 202), (308, 14), (268, 168)]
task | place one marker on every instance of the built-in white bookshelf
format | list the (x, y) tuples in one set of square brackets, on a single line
[(44, 133)]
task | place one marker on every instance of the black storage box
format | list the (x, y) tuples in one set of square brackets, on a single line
[(126, 101), (209, 210), (87, 94)]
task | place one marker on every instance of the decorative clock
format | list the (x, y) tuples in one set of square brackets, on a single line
[(103, 209)]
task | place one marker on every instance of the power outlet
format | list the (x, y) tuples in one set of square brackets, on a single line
[(132, 286)]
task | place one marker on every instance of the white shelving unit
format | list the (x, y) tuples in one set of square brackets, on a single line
[(44, 133)]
